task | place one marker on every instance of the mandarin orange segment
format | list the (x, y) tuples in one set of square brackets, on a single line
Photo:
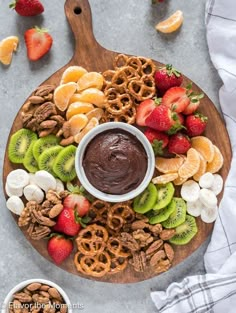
[(7, 46), (72, 74), (202, 168), (172, 23), (91, 79), (62, 95), (75, 98), (204, 146), (91, 124), (171, 165), (164, 179), (97, 112), (179, 181), (217, 162), (77, 123), (78, 108), (92, 95), (190, 165)]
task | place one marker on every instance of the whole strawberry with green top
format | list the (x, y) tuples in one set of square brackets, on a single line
[(27, 7), (167, 77)]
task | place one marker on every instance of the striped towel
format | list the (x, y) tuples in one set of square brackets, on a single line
[(215, 291)]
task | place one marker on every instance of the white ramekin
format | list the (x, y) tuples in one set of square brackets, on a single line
[(80, 155), (25, 283)]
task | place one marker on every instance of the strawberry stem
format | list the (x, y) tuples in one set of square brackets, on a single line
[(12, 5)]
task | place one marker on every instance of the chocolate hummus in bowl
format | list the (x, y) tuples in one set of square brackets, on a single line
[(115, 162)]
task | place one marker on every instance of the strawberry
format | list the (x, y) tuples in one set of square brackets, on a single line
[(160, 118), (167, 77), (59, 248), (176, 98), (178, 123), (38, 42), (144, 110), (78, 202), (179, 143), (158, 140), (193, 105), (67, 222), (195, 124), (27, 7)]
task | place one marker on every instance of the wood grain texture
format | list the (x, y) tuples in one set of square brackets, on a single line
[(89, 54)]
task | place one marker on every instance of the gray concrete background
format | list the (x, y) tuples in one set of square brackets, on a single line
[(124, 26)]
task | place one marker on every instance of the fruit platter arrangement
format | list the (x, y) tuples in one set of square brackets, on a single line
[(121, 241)]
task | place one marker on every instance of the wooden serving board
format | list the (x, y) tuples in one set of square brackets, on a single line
[(92, 56)]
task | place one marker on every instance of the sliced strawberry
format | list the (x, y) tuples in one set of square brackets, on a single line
[(179, 143), (159, 140), (160, 118), (59, 248), (78, 202), (144, 109), (176, 98), (38, 42)]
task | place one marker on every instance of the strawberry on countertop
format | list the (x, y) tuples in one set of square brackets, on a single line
[(179, 143), (159, 140), (167, 77), (160, 118), (27, 7), (59, 248), (38, 42), (195, 124), (144, 110)]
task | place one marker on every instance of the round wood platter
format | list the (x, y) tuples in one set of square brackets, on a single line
[(92, 56)]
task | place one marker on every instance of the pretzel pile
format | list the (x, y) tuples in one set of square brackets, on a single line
[(126, 86), (118, 236)]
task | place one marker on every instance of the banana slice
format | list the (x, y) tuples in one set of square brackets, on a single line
[(190, 191), (208, 198), (217, 184), (18, 179), (45, 180), (209, 215), (13, 191), (59, 185), (195, 208), (32, 180), (15, 205), (206, 180), (33, 193)]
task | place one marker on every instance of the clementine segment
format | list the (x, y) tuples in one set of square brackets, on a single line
[(91, 124), (78, 108), (92, 95), (164, 179), (217, 162), (202, 168), (172, 23), (91, 79), (190, 165), (204, 146), (72, 74), (97, 112), (171, 165), (77, 123), (7, 46), (62, 95)]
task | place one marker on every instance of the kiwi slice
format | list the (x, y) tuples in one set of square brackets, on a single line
[(185, 231), (48, 157), (43, 144), (19, 144), (163, 214), (29, 161), (178, 216), (64, 165), (165, 193), (146, 200)]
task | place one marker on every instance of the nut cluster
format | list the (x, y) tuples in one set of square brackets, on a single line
[(37, 298), (39, 218), (144, 243), (41, 115)]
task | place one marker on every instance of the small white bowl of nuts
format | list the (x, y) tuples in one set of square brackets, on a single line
[(37, 295)]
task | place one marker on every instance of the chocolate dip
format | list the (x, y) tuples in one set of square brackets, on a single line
[(115, 162)]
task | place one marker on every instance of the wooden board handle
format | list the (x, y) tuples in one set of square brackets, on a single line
[(79, 16)]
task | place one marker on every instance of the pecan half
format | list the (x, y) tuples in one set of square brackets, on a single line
[(155, 246), (129, 242), (34, 286), (141, 224), (54, 293), (169, 251), (159, 255), (42, 220), (162, 266), (55, 210), (139, 261), (44, 90), (142, 237), (39, 232), (22, 297), (167, 234), (44, 111), (155, 229)]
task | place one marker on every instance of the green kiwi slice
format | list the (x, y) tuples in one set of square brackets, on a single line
[(185, 231), (19, 144), (48, 157), (43, 144), (64, 165), (146, 200), (178, 216), (29, 161), (165, 193), (163, 214)]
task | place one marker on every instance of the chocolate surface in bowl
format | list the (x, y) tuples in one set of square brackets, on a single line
[(115, 162)]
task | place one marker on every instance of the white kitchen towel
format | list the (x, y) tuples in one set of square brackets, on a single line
[(215, 291)]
